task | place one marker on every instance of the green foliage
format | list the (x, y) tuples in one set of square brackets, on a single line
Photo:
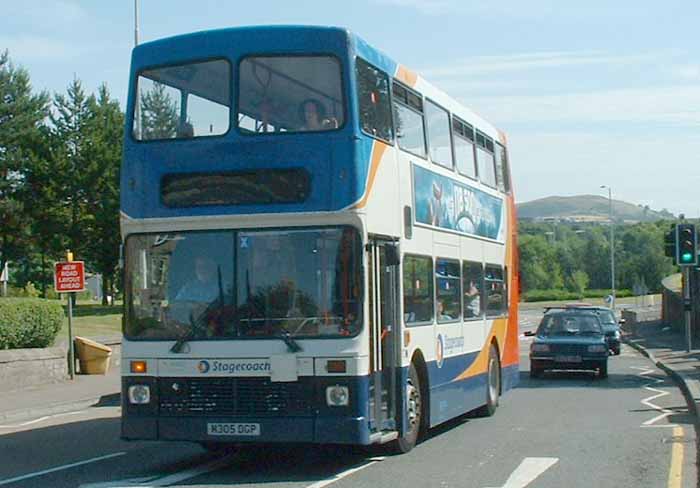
[(27, 323), (558, 295), (557, 256), (21, 117), (578, 282), (159, 117)]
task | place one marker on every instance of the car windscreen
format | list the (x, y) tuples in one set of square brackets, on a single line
[(569, 324)]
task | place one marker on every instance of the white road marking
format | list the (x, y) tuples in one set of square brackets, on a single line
[(41, 419), (645, 372), (59, 468), (528, 471), (348, 472), (155, 481)]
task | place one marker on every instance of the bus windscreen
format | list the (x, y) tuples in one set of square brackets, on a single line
[(243, 284)]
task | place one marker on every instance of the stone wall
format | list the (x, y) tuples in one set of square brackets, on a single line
[(22, 368)]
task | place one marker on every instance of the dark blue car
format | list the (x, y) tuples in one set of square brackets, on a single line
[(569, 340), (610, 324)]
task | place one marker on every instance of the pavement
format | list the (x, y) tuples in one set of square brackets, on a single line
[(57, 398), (667, 349)]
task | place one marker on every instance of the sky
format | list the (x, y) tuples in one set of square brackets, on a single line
[(590, 92)]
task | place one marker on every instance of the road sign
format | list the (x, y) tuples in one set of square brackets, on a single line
[(69, 276)]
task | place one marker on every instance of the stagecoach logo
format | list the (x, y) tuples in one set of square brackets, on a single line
[(203, 367), (440, 352)]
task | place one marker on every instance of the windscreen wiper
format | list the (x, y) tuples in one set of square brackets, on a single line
[(292, 345), (179, 345)]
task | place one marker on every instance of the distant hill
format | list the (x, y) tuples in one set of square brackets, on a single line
[(589, 208)]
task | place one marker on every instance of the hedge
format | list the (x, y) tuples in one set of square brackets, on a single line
[(29, 322), (557, 295)]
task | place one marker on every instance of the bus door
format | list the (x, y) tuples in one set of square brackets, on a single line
[(384, 333)]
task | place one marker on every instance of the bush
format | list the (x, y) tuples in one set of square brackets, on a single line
[(559, 295), (548, 295), (29, 322)]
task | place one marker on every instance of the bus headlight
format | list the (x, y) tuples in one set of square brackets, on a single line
[(337, 396), (139, 394)]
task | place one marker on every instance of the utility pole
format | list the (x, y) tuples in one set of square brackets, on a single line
[(137, 107), (612, 246)]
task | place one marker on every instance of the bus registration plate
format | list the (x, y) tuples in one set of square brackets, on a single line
[(238, 429)]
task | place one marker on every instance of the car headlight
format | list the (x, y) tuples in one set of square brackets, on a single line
[(337, 396), (139, 394), (617, 334), (598, 348), (539, 348)]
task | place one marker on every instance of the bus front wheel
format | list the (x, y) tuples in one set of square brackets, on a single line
[(414, 411), (493, 387)]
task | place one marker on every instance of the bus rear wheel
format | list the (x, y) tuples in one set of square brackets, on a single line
[(414, 412), (493, 387)]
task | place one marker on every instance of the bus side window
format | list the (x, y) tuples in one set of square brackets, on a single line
[(373, 98), (502, 168), (473, 286), (485, 160), (496, 300), (417, 289), (409, 121)]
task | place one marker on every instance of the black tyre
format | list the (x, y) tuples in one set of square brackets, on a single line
[(535, 372), (616, 350), (414, 411), (603, 369), (493, 389)]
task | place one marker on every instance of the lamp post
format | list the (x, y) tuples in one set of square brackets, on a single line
[(137, 107), (612, 247)]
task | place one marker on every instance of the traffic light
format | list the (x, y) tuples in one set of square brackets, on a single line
[(670, 243), (686, 245)]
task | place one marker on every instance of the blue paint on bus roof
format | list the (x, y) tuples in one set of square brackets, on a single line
[(338, 161)]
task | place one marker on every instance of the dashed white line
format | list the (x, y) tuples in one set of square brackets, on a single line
[(59, 468), (528, 471), (168, 479), (348, 472), (41, 419)]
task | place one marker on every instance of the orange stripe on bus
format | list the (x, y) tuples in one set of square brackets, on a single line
[(406, 76), (379, 148), (481, 363)]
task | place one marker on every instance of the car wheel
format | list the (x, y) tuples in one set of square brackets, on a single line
[(414, 412), (535, 372), (616, 351), (603, 369), (493, 389)]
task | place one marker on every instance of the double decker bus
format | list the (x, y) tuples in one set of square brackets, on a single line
[(319, 245)]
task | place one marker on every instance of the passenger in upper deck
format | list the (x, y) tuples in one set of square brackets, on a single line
[(311, 113), (313, 116)]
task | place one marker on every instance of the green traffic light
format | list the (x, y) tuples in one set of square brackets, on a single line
[(686, 257)]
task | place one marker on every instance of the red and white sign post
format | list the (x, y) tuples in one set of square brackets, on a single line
[(69, 278)]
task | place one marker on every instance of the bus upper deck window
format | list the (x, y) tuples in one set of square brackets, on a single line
[(183, 101), (289, 94)]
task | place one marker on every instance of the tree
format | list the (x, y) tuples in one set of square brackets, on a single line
[(159, 117), (578, 282), (73, 170), (104, 132), (22, 115)]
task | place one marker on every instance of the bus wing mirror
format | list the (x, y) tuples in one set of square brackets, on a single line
[(392, 255)]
